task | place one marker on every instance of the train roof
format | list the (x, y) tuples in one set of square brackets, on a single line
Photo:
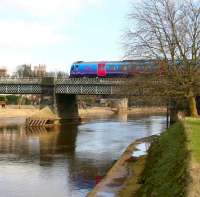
[(94, 62), (125, 61)]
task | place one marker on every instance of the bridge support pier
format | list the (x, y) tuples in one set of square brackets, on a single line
[(48, 93), (122, 105), (66, 107)]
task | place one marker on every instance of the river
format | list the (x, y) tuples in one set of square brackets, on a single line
[(66, 161)]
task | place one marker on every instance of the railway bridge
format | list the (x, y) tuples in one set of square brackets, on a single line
[(60, 93)]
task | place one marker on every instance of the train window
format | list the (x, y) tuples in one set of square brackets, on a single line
[(123, 68), (111, 67), (76, 67), (73, 67)]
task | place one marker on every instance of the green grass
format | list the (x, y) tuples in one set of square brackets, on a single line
[(193, 133), (165, 173)]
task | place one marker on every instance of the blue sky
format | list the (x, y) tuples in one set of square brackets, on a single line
[(59, 32)]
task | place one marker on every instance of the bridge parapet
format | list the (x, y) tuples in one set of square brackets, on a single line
[(16, 80), (14, 85), (91, 81), (39, 80)]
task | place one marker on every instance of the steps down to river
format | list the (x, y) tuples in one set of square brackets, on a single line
[(44, 117)]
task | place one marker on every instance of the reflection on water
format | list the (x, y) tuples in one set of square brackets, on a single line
[(67, 160), (141, 149)]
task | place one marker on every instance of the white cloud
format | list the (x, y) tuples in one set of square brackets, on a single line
[(47, 8), (10, 60), (29, 35), (33, 24), (50, 16)]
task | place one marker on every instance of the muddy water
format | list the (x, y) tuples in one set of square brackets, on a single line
[(65, 161)]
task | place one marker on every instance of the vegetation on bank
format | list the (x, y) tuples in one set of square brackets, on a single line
[(172, 166), (193, 133), (157, 35), (165, 172), (15, 100)]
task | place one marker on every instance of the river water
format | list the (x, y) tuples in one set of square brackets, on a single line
[(66, 161)]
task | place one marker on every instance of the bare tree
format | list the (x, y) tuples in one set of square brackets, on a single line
[(169, 31)]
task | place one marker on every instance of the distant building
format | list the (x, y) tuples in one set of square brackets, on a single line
[(62, 74), (24, 70), (39, 71), (3, 72)]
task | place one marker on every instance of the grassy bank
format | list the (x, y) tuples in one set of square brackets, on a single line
[(171, 168), (193, 133), (193, 136), (165, 172)]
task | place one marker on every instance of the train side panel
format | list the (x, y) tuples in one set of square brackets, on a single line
[(116, 69), (83, 70), (88, 69), (113, 68)]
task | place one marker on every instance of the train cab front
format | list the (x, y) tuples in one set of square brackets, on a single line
[(74, 70)]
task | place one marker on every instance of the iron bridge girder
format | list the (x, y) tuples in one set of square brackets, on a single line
[(61, 86)]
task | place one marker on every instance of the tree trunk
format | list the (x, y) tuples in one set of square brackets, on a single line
[(193, 106)]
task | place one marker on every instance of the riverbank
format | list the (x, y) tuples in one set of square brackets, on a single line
[(147, 110), (120, 175), (25, 111), (166, 169), (173, 163), (171, 168), (99, 111), (95, 111), (193, 133), (16, 111), (162, 172)]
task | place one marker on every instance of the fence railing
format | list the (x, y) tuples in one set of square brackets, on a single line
[(16, 80), (95, 81), (33, 80)]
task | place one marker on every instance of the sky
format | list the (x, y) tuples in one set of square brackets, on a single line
[(59, 32)]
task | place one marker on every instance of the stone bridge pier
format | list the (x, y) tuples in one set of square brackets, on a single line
[(64, 105), (121, 105)]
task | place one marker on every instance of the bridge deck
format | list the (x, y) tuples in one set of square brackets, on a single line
[(13, 85)]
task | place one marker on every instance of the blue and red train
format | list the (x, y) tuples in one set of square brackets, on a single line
[(112, 68)]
